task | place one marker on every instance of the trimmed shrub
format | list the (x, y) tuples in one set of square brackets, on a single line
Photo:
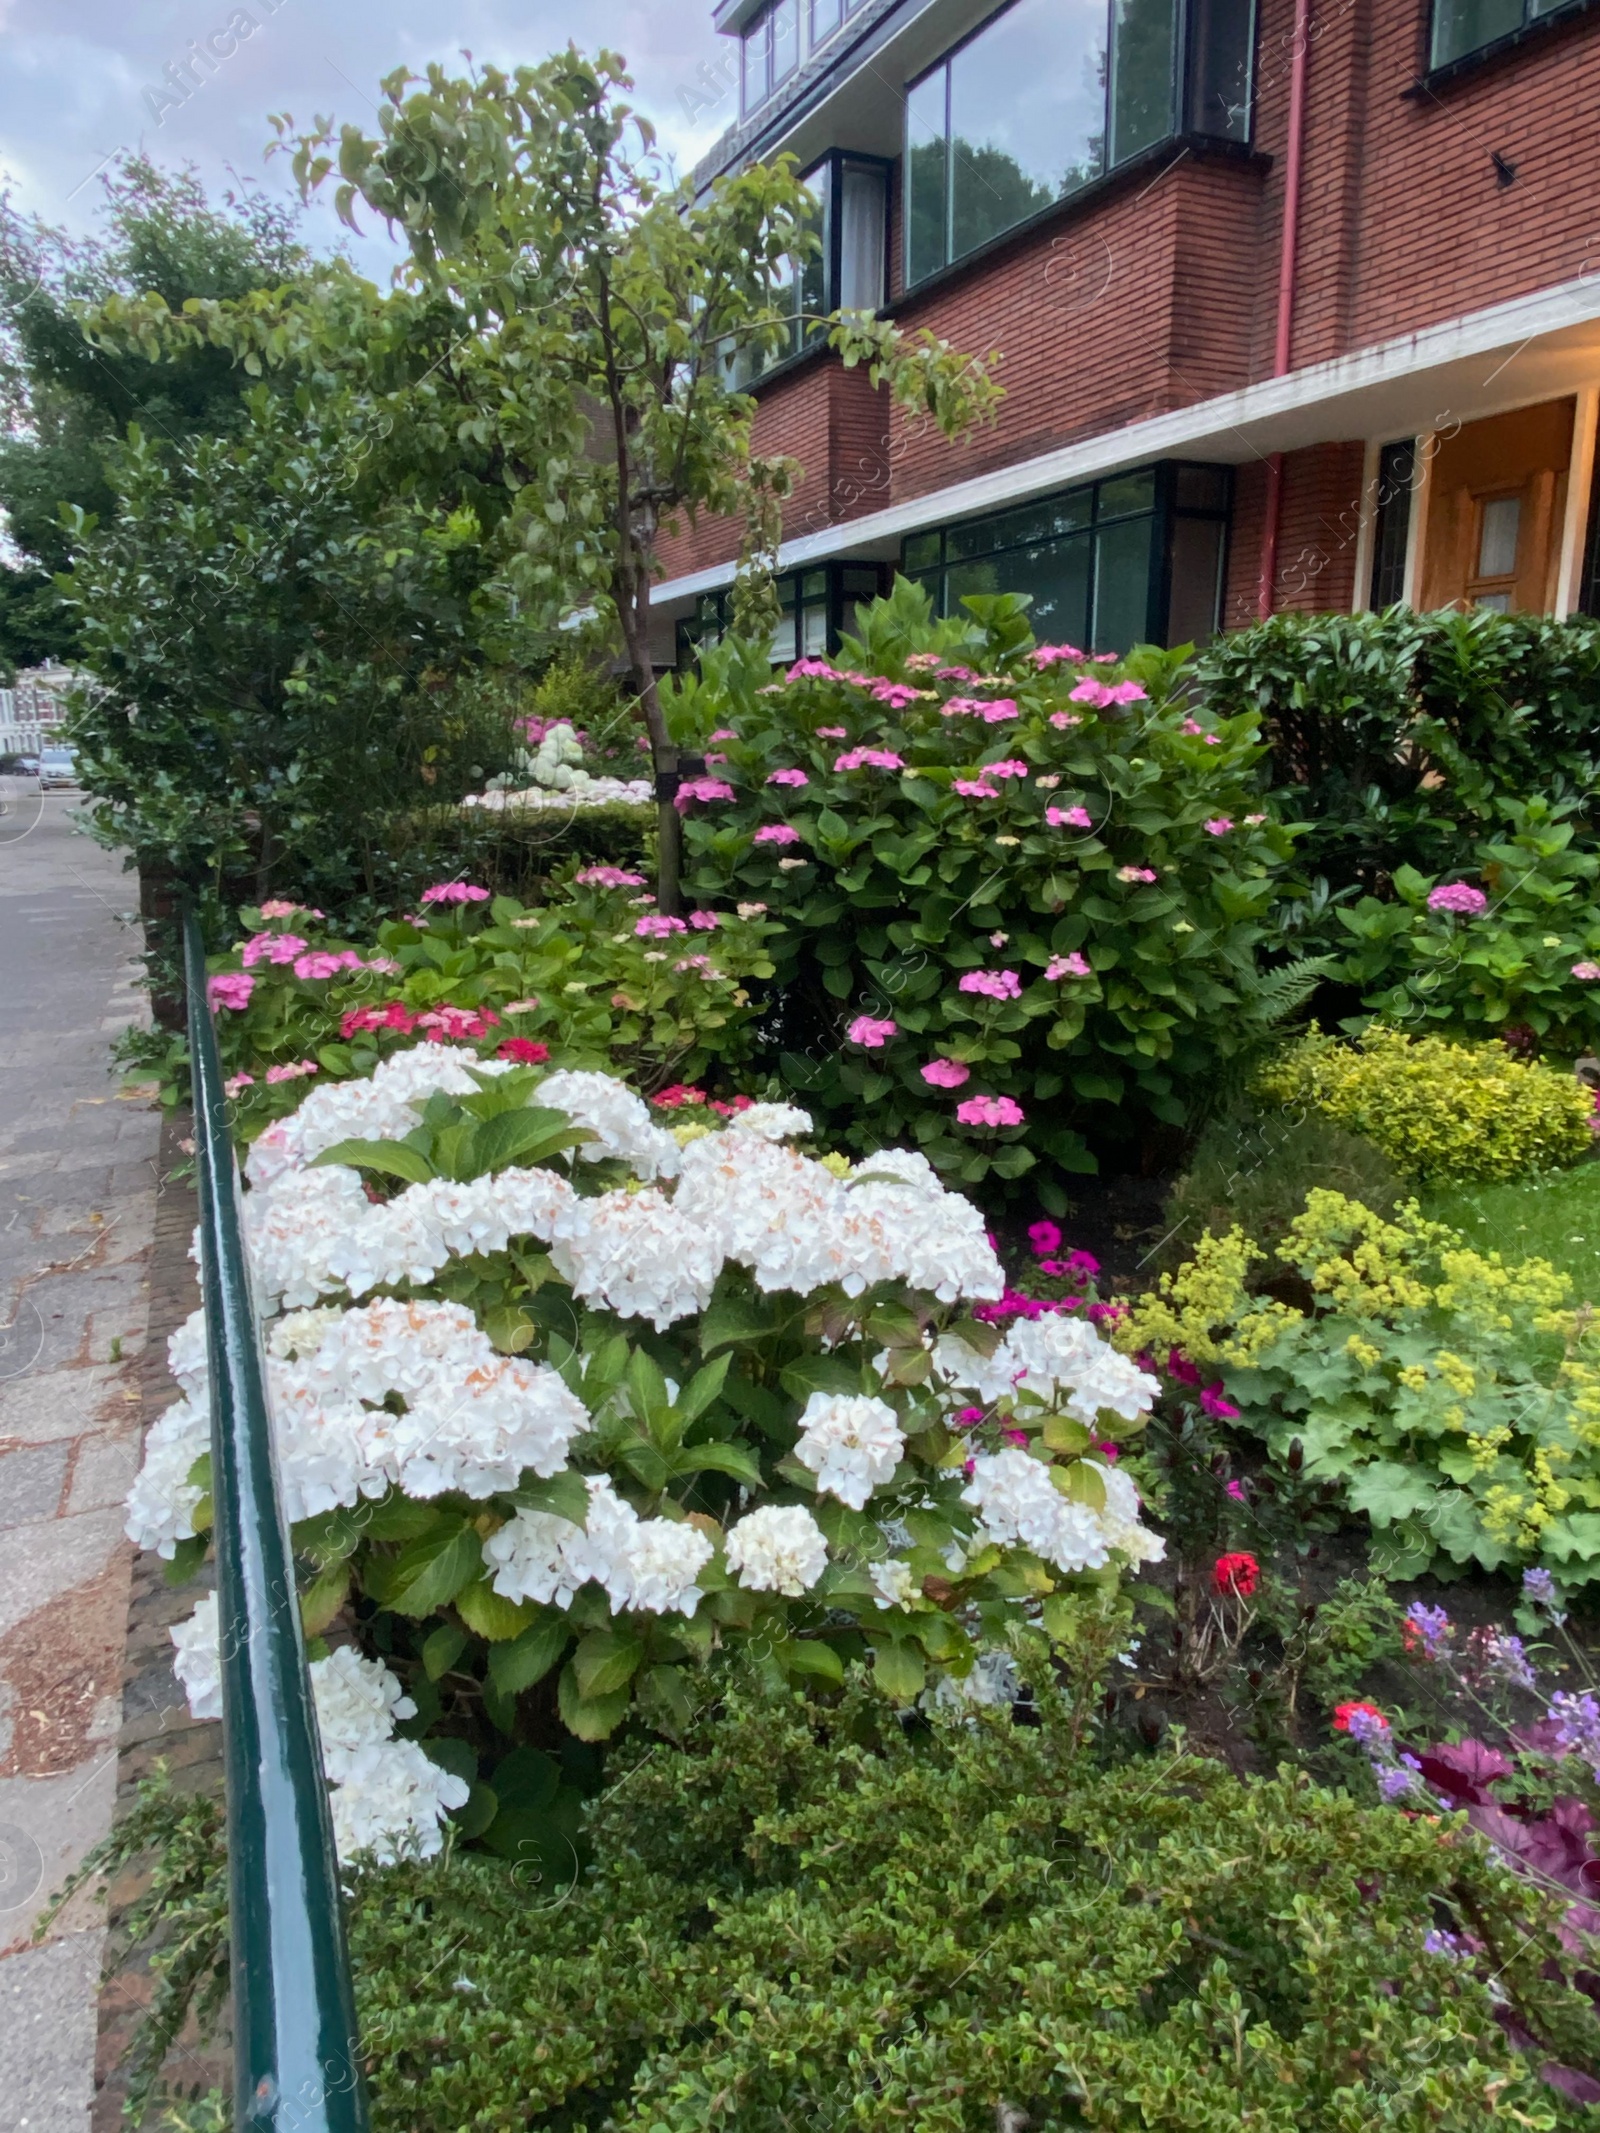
[(1439, 1111)]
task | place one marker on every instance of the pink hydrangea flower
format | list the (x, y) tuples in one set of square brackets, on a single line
[(1054, 655), (280, 907), (236, 1083), (896, 694), (872, 1032), (946, 1073), (293, 1073), (813, 670), (608, 878), (1090, 691), (704, 921), (656, 926), (1064, 719), (1012, 767), (993, 984), (1127, 692), (716, 757), (230, 988), (455, 892), (777, 833), (324, 963), (1586, 972), (272, 948), (989, 1111), (724, 733), (1191, 725), (993, 712), (833, 733), (1459, 897), (692, 962), (957, 674), (921, 662), (1076, 818), (701, 789), (975, 789), (869, 759), (1136, 874), (1254, 821), (522, 1007), (1218, 825), (787, 777), (1067, 966)]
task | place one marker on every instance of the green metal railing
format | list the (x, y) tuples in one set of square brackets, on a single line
[(297, 2062)]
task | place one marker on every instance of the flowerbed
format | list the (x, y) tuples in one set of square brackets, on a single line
[(567, 1403), (1021, 890)]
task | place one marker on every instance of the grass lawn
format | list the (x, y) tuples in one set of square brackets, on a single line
[(1554, 1217)]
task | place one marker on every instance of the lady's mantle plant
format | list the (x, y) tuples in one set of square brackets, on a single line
[(1020, 888), (1455, 1396), (562, 1396)]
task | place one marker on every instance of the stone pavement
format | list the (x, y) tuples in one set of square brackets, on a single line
[(78, 1164)]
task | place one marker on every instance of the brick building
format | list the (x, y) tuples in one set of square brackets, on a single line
[(1298, 304)]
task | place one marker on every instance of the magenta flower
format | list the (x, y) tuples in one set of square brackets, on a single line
[(874, 1034), (271, 948), (993, 984), (957, 674), (1587, 972), (293, 1073), (230, 988), (833, 733), (1052, 655), (1076, 818), (656, 926), (1459, 897), (1090, 691), (704, 921), (974, 789), (455, 892), (324, 963), (993, 713), (608, 878), (1213, 1402), (989, 1111), (968, 1417), (777, 833), (1064, 719), (1136, 874), (896, 694), (1126, 692), (869, 759), (1218, 825), (946, 1073), (1045, 1237), (813, 670), (787, 777), (1012, 767), (701, 789), (1067, 966)]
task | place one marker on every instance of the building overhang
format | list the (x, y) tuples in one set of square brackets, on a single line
[(1513, 354)]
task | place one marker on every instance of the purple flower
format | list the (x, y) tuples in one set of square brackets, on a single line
[(1365, 1726), (1398, 1780), (1426, 1630), (1539, 1589), (1459, 897), (1577, 1725), (1505, 1658)]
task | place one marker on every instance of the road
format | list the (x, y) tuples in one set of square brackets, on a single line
[(77, 1196)]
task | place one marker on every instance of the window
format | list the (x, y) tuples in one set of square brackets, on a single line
[(772, 44), (1463, 26), (847, 273), (1137, 558), (819, 606), (1391, 526), (1049, 95)]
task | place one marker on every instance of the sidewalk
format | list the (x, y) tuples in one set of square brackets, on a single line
[(77, 1203)]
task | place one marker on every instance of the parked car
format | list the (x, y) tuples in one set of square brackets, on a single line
[(57, 766), (25, 765)]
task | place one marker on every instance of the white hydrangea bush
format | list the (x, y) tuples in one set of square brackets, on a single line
[(570, 1402)]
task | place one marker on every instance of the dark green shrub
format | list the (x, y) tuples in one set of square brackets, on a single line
[(1254, 1166)]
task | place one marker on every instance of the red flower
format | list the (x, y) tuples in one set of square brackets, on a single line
[(526, 1051), (680, 1093), (1344, 1712), (1236, 1574)]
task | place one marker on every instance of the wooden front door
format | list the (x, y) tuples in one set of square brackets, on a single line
[(1497, 492)]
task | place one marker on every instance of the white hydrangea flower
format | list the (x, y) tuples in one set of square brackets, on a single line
[(188, 1360), (1016, 1500), (851, 1442), (358, 1701), (392, 1803), (664, 1558), (894, 1583), (197, 1659), (295, 1225), (384, 1107), (778, 1548), (618, 1117), (993, 1684), (636, 1254), (773, 1122), (1057, 1357), (1119, 1521), (162, 1501), (936, 1240), (541, 1556), (299, 1333)]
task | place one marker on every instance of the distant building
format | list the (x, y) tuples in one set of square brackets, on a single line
[(33, 709), (1298, 300)]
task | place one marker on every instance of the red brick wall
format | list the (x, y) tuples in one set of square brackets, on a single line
[(1318, 521)]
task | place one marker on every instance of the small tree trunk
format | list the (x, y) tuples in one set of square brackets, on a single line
[(635, 617)]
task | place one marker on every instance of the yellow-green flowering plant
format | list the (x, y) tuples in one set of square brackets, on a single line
[(1456, 1395)]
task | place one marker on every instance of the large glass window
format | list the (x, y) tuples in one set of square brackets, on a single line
[(1463, 26), (1050, 94), (785, 32), (1391, 522), (849, 271), (818, 607), (1137, 558)]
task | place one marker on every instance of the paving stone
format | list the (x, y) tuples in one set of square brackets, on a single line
[(103, 1471), (47, 2034), (30, 1483), (51, 1557), (62, 1403)]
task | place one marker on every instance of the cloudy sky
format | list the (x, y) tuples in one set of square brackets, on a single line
[(80, 79)]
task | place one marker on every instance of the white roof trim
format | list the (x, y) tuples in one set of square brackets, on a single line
[(1278, 414)]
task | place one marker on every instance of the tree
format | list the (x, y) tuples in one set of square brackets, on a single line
[(64, 401), (571, 317)]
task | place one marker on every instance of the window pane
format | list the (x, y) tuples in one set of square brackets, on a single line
[(926, 169), (1143, 36), (785, 39), (863, 224), (1128, 492), (1460, 26), (967, 578), (757, 81), (1122, 586), (919, 551), (1196, 580), (1027, 115), (1056, 573), (1201, 489), (1221, 42), (825, 19), (1392, 527), (813, 295), (813, 631), (814, 585), (860, 582), (1497, 546)]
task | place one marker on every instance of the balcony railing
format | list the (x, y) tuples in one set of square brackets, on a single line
[(297, 2061)]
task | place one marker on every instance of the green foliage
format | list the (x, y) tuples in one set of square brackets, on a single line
[(1394, 737), (1455, 1395), (1551, 1217), (896, 886), (1255, 1167), (1512, 968), (1439, 1111)]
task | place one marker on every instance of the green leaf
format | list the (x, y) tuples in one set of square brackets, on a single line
[(563, 1494), (395, 1517), (738, 1460), (703, 1388), (442, 1649), (729, 1320), (810, 1656), (479, 1811), (898, 1669), (526, 1659), (188, 1557), (459, 1757), (527, 1779), (590, 1718), (509, 1328), (490, 1613), (391, 1159), (664, 1695), (528, 1135), (428, 1573), (605, 1660), (323, 1598)]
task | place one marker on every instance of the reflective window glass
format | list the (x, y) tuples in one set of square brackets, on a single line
[(1192, 607), (1127, 492), (1122, 586), (1143, 74), (826, 16), (919, 551), (926, 169), (757, 77), (1201, 488), (1221, 55), (1027, 115), (863, 211), (1462, 26), (1497, 544), (785, 18)]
